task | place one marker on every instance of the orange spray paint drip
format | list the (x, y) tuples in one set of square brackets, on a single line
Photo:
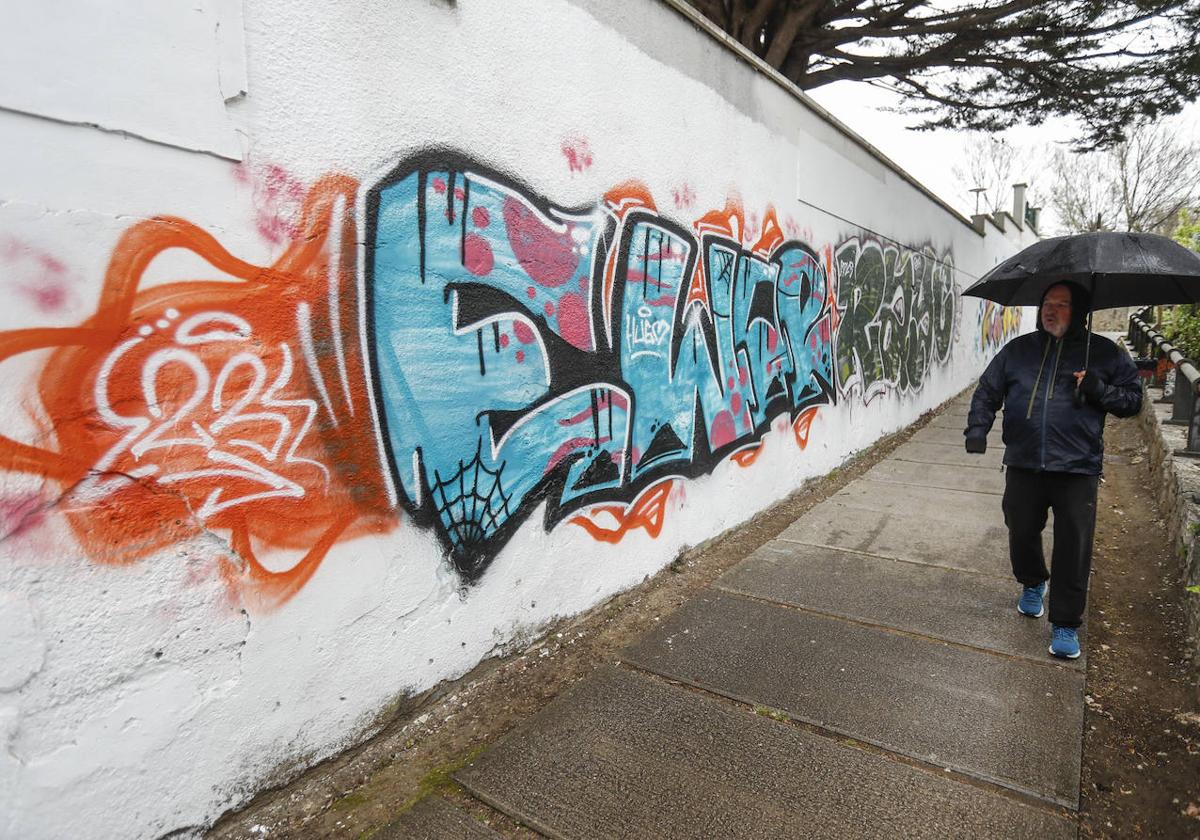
[(729, 221), (771, 237), (199, 405), (648, 511), (803, 426), (746, 457)]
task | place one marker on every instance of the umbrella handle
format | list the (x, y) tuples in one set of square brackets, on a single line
[(1077, 397)]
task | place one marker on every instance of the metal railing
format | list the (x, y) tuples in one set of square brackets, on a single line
[(1157, 354)]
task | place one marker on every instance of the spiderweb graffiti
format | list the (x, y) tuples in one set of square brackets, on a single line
[(473, 504)]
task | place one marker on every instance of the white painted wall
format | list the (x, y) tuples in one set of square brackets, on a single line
[(146, 697)]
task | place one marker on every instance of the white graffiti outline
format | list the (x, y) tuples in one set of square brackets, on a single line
[(304, 330), (335, 312), (144, 435)]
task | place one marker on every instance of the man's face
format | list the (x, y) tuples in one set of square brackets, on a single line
[(1056, 311)]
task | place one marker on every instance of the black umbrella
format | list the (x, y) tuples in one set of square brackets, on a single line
[(1118, 269)]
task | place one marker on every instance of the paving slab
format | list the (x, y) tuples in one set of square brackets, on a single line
[(954, 456), (953, 437), (621, 755), (938, 475), (949, 506), (973, 544), (1001, 719), (942, 603), (433, 818), (958, 420)]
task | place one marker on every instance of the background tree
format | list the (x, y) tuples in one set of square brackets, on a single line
[(1142, 183), (987, 64), (989, 167)]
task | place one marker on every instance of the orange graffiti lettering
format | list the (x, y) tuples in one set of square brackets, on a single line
[(647, 511), (803, 425), (228, 404), (746, 457)]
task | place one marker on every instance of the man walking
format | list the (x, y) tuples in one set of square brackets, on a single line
[(1054, 449)]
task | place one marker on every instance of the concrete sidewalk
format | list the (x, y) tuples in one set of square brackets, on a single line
[(865, 674)]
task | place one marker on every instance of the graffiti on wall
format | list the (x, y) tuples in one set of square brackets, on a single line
[(997, 324), (899, 308), (526, 352), (485, 353), (229, 405)]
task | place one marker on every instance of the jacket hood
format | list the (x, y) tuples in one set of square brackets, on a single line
[(1081, 304)]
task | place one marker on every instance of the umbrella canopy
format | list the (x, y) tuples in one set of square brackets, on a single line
[(1119, 269)]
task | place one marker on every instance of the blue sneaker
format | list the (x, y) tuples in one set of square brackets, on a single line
[(1031, 601), (1065, 643)]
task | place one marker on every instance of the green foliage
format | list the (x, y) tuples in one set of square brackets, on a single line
[(1181, 324), (1187, 232)]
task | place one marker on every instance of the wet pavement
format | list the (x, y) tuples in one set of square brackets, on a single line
[(864, 674)]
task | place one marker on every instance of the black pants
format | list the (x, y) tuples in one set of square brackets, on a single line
[(1028, 495)]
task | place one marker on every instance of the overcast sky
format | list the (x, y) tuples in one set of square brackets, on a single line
[(930, 156)]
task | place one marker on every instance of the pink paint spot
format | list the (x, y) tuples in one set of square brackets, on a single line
[(729, 381), (746, 417), (546, 255), (722, 431), (578, 153), (524, 334), (573, 321), (21, 514), (50, 263), (548, 308), (772, 339), (35, 274), (477, 255), (752, 227), (684, 196), (742, 376), (503, 339), (439, 186), (735, 402), (481, 217), (47, 298), (521, 356), (459, 194), (531, 292), (278, 198)]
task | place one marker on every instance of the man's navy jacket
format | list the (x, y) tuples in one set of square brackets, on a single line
[(1032, 378)]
